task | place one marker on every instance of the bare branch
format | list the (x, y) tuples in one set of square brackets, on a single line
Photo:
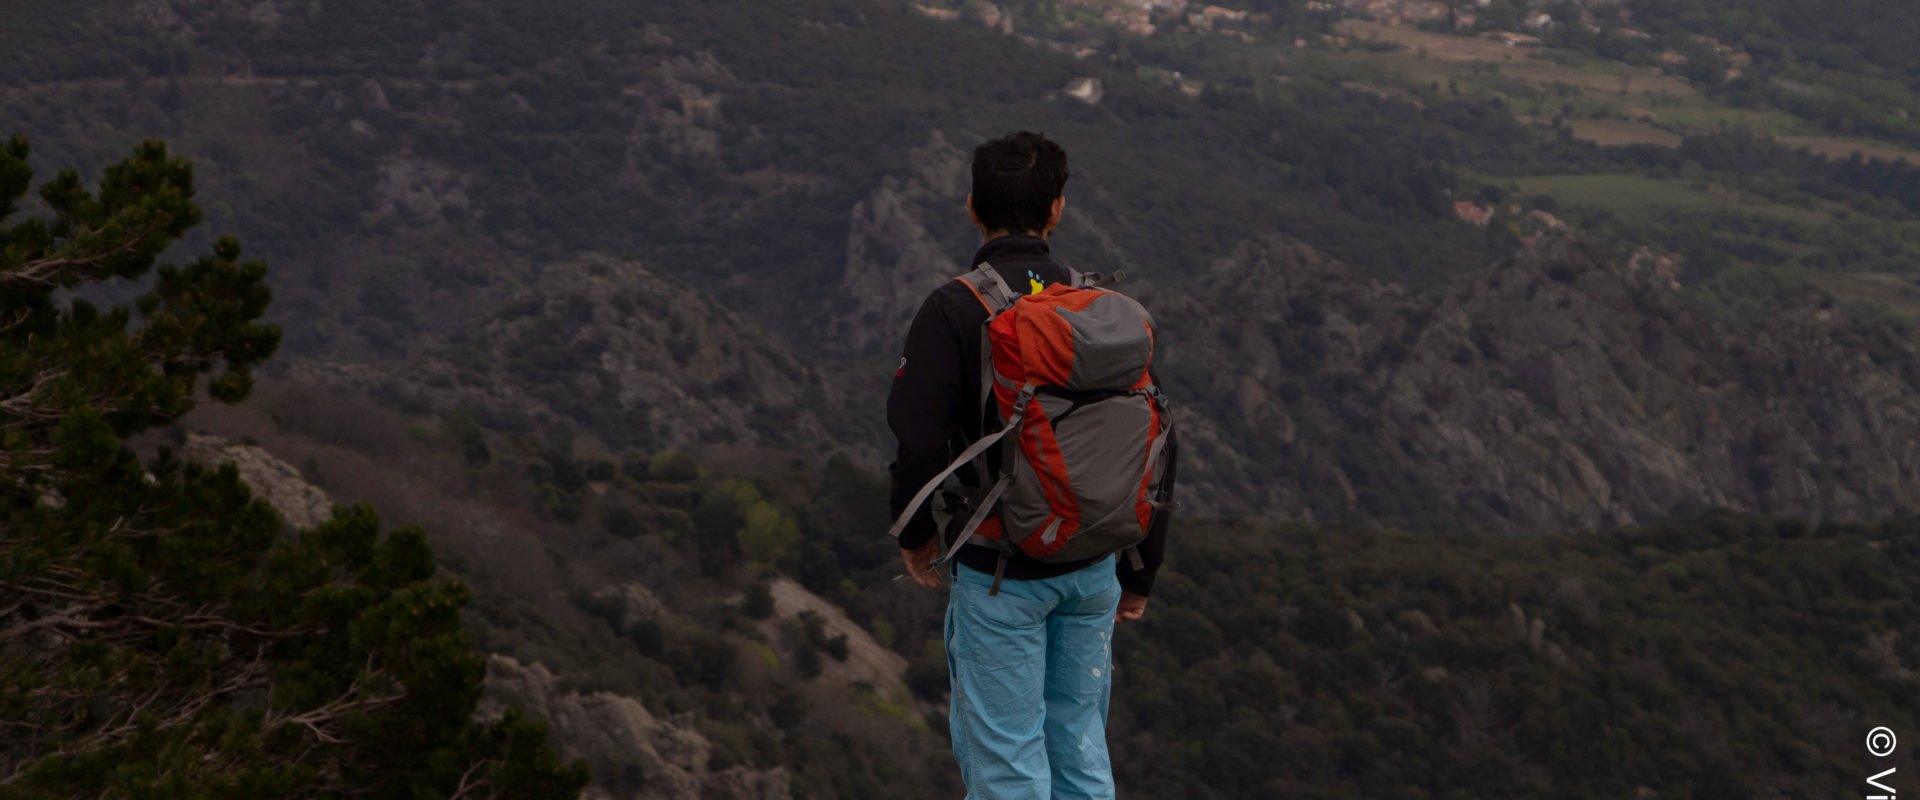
[(467, 784), (67, 618)]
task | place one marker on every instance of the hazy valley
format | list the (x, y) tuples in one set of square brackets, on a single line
[(1534, 389)]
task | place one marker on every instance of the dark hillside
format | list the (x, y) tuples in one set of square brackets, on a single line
[(615, 596), (728, 139), (605, 295), (1722, 656), (1719, 655), (1557, 390), (427, 182)]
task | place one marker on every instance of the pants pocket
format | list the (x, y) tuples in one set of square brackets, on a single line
[(1003, 646)]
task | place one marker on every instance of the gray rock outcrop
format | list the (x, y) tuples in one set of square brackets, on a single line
[(632, 753), (276, 482), (897, 251)]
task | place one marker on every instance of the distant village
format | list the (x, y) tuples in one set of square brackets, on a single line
[(1319, 21), (1138, 17), (1152, 17), (1155, 17)]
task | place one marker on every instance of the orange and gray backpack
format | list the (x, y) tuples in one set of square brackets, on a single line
[(1075, 470)]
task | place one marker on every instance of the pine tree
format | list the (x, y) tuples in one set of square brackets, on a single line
[(161, 633)]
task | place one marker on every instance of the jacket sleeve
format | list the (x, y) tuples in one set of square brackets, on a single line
[(1154, 549), (923, 410)]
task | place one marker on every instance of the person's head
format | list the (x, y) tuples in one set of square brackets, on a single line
[(1017, 185)]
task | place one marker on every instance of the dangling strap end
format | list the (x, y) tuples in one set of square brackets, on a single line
[(1134, 561), (920, 498), (979, 515), (999, 574)]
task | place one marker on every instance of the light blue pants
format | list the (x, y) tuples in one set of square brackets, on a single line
[(1031, 675)]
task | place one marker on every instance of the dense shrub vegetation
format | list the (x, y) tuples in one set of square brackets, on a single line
[(1722, 656), (408, 165), (161, 633)]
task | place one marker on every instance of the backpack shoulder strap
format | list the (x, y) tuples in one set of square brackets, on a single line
[(989, 288), (996, 296)]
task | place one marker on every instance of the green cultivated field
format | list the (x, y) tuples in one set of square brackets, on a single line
[(1899, 294), (1637, 194)]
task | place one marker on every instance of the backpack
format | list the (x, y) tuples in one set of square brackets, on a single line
[(1078, 456)]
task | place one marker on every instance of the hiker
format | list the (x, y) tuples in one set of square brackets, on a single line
[(1035, 468)]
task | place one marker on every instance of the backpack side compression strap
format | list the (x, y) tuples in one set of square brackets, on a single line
[(926, 491), (973, 522)]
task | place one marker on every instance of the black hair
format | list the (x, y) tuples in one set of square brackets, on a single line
[(1016, 178)]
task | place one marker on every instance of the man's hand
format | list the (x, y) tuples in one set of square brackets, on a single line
[(920, 563), (1132, 607)]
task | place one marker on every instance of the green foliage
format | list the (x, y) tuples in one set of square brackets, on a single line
[(197, 319), (807, 635), (1302, 662), (592, 150), (927, 672), (668, 466), (620, 521), (759, 601), (465, 430), (836, 647), (1766, 206), (806, 661), (1283, 694), (1845, 64), (812, 633), (160, 634), (716, 525), (786, 711), (769, 534)]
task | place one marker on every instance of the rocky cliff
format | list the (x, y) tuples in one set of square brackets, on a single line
[(1561, 389), (1558, 390), (901, 242), (642, 361), (632, 752)]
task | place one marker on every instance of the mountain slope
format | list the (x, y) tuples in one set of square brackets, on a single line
[(621, 353), (615, 734), (1559, 390), (454, 205), (597, 291), (1720, 656), (644, 663)]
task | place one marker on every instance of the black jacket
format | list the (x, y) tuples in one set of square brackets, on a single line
[(930, 410)]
